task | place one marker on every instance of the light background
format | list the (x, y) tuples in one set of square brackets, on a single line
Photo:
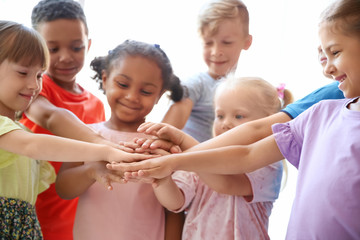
[(284, 49)]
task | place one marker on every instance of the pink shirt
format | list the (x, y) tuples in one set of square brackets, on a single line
[(211, 215), (130, 211)]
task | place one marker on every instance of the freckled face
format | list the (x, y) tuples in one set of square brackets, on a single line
[(133, 87)]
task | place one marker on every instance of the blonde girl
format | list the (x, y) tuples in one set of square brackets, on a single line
[(241, 206)]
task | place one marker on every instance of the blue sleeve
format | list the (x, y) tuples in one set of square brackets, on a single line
[(330, 91)]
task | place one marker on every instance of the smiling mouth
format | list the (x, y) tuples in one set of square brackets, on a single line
[(130, 107), (340, 78), (27, 96)]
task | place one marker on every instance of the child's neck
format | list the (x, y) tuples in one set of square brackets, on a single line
[(9, 114), (70, 86), (355, 106)]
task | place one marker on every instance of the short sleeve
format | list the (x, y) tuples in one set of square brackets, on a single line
[(193, 88), (289, 145), (187, 182), (47, 176), (329, 91), (7, 125)]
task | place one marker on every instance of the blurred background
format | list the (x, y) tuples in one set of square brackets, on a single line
[(284, 49)]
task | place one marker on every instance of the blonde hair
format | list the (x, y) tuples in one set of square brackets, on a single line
[(265, 94), (21, 44), (218, 10)]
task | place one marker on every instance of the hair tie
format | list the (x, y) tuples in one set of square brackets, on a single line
[(157, 46), (280, 91)]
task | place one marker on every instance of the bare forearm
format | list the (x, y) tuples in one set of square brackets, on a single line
[(48, 147), (60, 121), (74, 129), (238, 185), (73, 180), (168, 194), (231, 159), (244, 134)]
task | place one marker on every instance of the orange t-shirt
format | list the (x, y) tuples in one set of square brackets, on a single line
[(57, 215)]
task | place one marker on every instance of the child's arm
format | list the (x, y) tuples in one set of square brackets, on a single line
[(237, 184), (48, 147), (60, 121), (179, 113), (169, 194), (244, 134), (84, 175), (174, 223), (224, 160)]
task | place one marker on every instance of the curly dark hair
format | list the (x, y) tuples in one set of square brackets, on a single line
[(149, 51)]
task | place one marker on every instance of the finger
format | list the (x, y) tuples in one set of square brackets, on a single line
[(140, 141), (153, 173), (175, 149), (166, 145), (131, 145), (116, 178), (159, 151), (144, 126)]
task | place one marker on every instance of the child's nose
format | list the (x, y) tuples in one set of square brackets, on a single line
[(132, 95), (34, 83), (329, 68), (216, 50), (65, 55), (227, 124)]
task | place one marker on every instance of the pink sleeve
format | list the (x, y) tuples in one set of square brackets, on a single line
[(187, 182)]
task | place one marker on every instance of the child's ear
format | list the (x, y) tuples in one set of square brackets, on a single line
[(248, 42), (104, 79), (89, 45)]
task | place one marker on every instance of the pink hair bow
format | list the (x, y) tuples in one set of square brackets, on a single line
[(280, 90)]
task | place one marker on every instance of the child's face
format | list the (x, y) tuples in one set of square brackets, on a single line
[(322, 60), (221, 50), (132, 89), (68, 44), (234, 107), (19, 85), (343, 58)]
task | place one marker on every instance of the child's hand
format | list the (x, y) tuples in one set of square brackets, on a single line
[(134, 177), (105, 176), (116, 156), (155, 168), (163, 131), (155, 143)]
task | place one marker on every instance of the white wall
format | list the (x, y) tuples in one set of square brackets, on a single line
[(284, 48)]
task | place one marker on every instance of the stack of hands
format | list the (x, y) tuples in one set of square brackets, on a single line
[(163, 140)]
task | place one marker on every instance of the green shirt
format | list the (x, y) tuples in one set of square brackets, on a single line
[(22, 177)]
